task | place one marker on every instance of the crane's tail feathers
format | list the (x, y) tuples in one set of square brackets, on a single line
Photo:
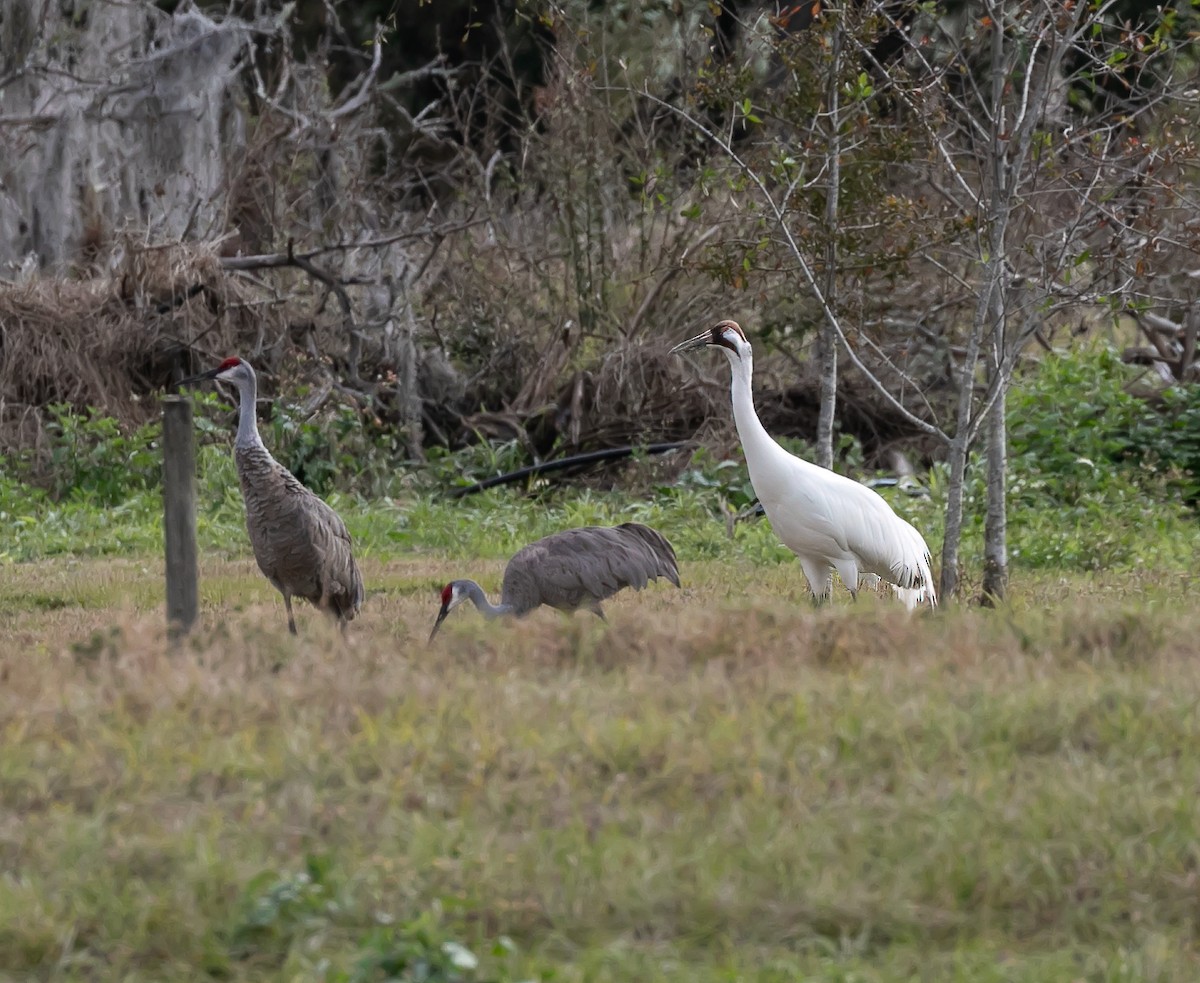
[(913, 580), (347, 593), (926, 593), (660, 548), (922, 593), (914, 597)]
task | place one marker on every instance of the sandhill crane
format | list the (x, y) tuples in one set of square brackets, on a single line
[(829, 521), (575, 568), (300, 543)]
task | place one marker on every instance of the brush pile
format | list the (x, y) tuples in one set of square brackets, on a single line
[(108, 341)]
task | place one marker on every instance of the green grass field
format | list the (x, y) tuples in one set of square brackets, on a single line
[(721, 783)]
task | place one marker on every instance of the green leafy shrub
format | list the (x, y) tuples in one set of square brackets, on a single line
[(1168, 440), (476, 462), (303, 918), (281, 910), (1072, 429), (341, 448), (89, 457), (415, 953), (1095, 472)]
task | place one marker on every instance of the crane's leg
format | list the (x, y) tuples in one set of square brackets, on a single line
[(820, 579), (287, 603), (848, 571)]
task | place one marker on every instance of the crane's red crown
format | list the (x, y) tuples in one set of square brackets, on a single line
[(447, 594), (229, 363)]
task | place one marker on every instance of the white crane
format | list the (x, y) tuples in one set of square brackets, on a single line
[(575, 568), (829, 521), (300, 543)]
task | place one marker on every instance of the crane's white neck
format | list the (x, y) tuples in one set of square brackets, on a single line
[(247, 434), (755, 439)]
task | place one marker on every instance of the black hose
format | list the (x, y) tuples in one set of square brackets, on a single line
[(609, 454)]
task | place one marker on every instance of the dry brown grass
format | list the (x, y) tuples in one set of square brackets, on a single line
[(710, 785)]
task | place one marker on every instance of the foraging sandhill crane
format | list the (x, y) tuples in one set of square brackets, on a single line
[(572, 569), (829, 521), (300, 543)]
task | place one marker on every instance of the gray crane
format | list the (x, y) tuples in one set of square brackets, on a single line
[(300, 543), (572, 569)]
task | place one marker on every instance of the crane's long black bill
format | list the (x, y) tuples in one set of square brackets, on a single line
[(438, 624), (693, 344), (202, 377)]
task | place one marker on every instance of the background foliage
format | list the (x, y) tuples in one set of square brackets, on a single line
[(1100, 479)]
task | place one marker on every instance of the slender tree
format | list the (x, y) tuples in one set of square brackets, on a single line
[(827, 341)]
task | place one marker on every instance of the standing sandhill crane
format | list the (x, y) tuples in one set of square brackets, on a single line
[(575, 568), (300, 543), (829, 521)]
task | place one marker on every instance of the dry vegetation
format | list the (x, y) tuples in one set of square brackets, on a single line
[(106, 341), (533, 295), (720, 784)]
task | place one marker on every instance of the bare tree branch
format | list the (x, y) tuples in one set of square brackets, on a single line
[(668, 275), (270, 260), (363, 83), (779, 213)]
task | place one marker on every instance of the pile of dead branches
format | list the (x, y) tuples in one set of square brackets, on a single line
[(107, 342)]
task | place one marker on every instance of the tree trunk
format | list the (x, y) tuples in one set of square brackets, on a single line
[(827, 338), (995, 532), (948, 581), (827, 341), (991, 300)]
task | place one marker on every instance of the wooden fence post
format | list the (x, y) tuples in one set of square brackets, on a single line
[(179, 515)]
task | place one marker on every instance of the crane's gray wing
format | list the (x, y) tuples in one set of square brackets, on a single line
[(584, 566)]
